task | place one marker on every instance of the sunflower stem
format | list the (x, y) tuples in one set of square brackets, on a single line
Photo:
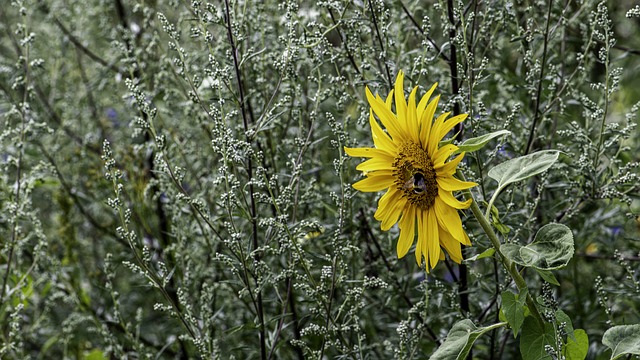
[(493, 199), (509, 265)]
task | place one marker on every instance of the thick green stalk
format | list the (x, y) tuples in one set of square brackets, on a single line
[(509, 265)]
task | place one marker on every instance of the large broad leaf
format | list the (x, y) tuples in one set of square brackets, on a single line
[(460, 340), (513, 308), (523, 167), (550, 250), (534, 337), (477, 143), (578, 347), (623, 340)]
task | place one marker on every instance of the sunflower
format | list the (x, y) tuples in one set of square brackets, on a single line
[(408, 162)]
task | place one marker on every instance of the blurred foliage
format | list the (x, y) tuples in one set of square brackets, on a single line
[(172, 182)]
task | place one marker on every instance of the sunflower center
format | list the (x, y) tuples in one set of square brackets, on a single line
[(415, 175)]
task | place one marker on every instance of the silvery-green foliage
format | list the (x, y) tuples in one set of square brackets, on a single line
[(173, 184)]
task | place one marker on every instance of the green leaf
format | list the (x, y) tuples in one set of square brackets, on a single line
[(95, 354), (534, 337), (523, 167), (562, 317), (577, 349), (623, 340), (548, 277), (551, 249), (495, 220), (460, 340), (513, 308), (477, 143), (485, 254)]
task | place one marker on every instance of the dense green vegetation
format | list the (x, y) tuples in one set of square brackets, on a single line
[(173, 182)]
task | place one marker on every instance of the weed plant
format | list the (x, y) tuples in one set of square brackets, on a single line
[(173, 182)]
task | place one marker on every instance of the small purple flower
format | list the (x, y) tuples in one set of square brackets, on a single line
[(616, 230), (112, 114)]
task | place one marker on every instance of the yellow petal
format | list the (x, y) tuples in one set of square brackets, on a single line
[(390, 206), (449, 168), (413, 128), (380, 138), (433, 136), (385, 201), (374, 182), (407, 231), (376, 163), (391, 217), (433, 238), (401, 105), (467, 241), (424, 101), (449, 124), (387, 118), (448, 199), (443, 153), (451, 246), (426, 121), (449, 220), (420, 246), (449, 183), (365, 152), (389, 100)]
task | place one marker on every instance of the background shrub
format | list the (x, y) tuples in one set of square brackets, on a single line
[(173, 184)]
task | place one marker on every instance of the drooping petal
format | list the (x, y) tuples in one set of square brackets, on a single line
[(433, 136), (450, 200), (376, 163), (391, 217), (433, 238), (421, 216), (387, 118), (451, 245), (467, 241), (449, 183), (374, 182), (449, 220), (407, 231), (385, 201), (426, 122), (390, 206)]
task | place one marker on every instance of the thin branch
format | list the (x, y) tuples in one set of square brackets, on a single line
[(453, 66), (375, 25), (76, 199), (344, 42), (85, 50), (254, 223), (364, 227), (539, 90), (415, 23)]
